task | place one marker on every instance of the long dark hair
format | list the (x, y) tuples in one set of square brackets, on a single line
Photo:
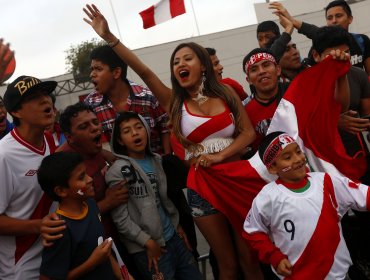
[(212, 89)]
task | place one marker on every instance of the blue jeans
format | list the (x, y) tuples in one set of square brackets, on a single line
[(199, 206), (177, 263)]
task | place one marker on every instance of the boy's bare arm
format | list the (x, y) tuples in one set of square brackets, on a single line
[(183, 236), (99, 255), (165, 137), (342, 94), (17, 227)]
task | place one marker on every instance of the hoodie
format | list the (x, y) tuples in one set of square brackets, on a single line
[(138, 220)]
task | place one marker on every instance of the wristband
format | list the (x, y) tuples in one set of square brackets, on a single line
[(112, 45)]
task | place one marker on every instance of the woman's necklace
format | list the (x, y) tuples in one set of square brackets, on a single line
[(200, 98)]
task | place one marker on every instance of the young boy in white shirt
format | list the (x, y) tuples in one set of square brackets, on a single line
[(294, 222)]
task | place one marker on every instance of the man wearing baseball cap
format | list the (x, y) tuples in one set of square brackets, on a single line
[(22, 204)]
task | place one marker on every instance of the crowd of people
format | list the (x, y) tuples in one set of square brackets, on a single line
[(69, 209)]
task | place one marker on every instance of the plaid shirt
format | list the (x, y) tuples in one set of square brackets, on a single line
[(140, 100)]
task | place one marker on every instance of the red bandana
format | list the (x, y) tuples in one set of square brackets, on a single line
[(257, 58), (276, 146)]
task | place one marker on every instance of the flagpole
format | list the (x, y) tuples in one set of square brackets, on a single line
[(196, 23), (115, 19)]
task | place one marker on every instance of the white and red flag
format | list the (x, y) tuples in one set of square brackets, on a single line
[(163, 11), (309, 113)]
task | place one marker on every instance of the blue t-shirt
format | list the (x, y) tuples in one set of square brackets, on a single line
[(79, 240), (147, 165)]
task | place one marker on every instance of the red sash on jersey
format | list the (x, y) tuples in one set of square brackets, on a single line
[(24, 242), (213, 125), (316, 260)]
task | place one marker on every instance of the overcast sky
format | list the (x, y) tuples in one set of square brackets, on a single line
[(41, 30)]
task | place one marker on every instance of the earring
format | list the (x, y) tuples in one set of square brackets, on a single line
[(202, 87), (201, 98)]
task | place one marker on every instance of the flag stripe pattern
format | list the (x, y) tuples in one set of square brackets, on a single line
[(161, 12), (309, 113)]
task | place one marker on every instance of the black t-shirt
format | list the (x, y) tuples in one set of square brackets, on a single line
[(357, 55), (79, 240)]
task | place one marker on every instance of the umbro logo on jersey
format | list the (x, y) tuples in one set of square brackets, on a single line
[(31, 172)]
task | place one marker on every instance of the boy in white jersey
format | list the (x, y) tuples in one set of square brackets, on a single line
[(22, 204), (294, 222)]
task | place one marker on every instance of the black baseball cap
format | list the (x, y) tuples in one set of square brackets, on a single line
[(23, 86)]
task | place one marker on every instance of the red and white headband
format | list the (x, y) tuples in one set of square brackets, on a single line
[(257, 58), (274, 149)]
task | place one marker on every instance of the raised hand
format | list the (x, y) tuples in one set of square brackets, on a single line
[(286, 23), (279, 9), (5, 58), (97, 21)]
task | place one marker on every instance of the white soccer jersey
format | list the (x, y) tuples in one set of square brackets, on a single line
[(21, 197), (306, 226)]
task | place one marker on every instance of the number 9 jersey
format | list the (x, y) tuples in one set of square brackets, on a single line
[(304, 226)]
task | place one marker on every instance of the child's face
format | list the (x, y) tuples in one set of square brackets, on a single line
[(290, 165), (134, 137), (264, 38), (103, 77), (80, 184), (36, 109)]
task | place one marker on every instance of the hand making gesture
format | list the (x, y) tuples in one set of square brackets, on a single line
[(98, 22)]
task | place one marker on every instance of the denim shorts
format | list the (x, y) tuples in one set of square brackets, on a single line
[(199, 206)]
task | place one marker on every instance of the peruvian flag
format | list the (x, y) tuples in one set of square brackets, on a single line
[(309, 113), (162, 11)]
